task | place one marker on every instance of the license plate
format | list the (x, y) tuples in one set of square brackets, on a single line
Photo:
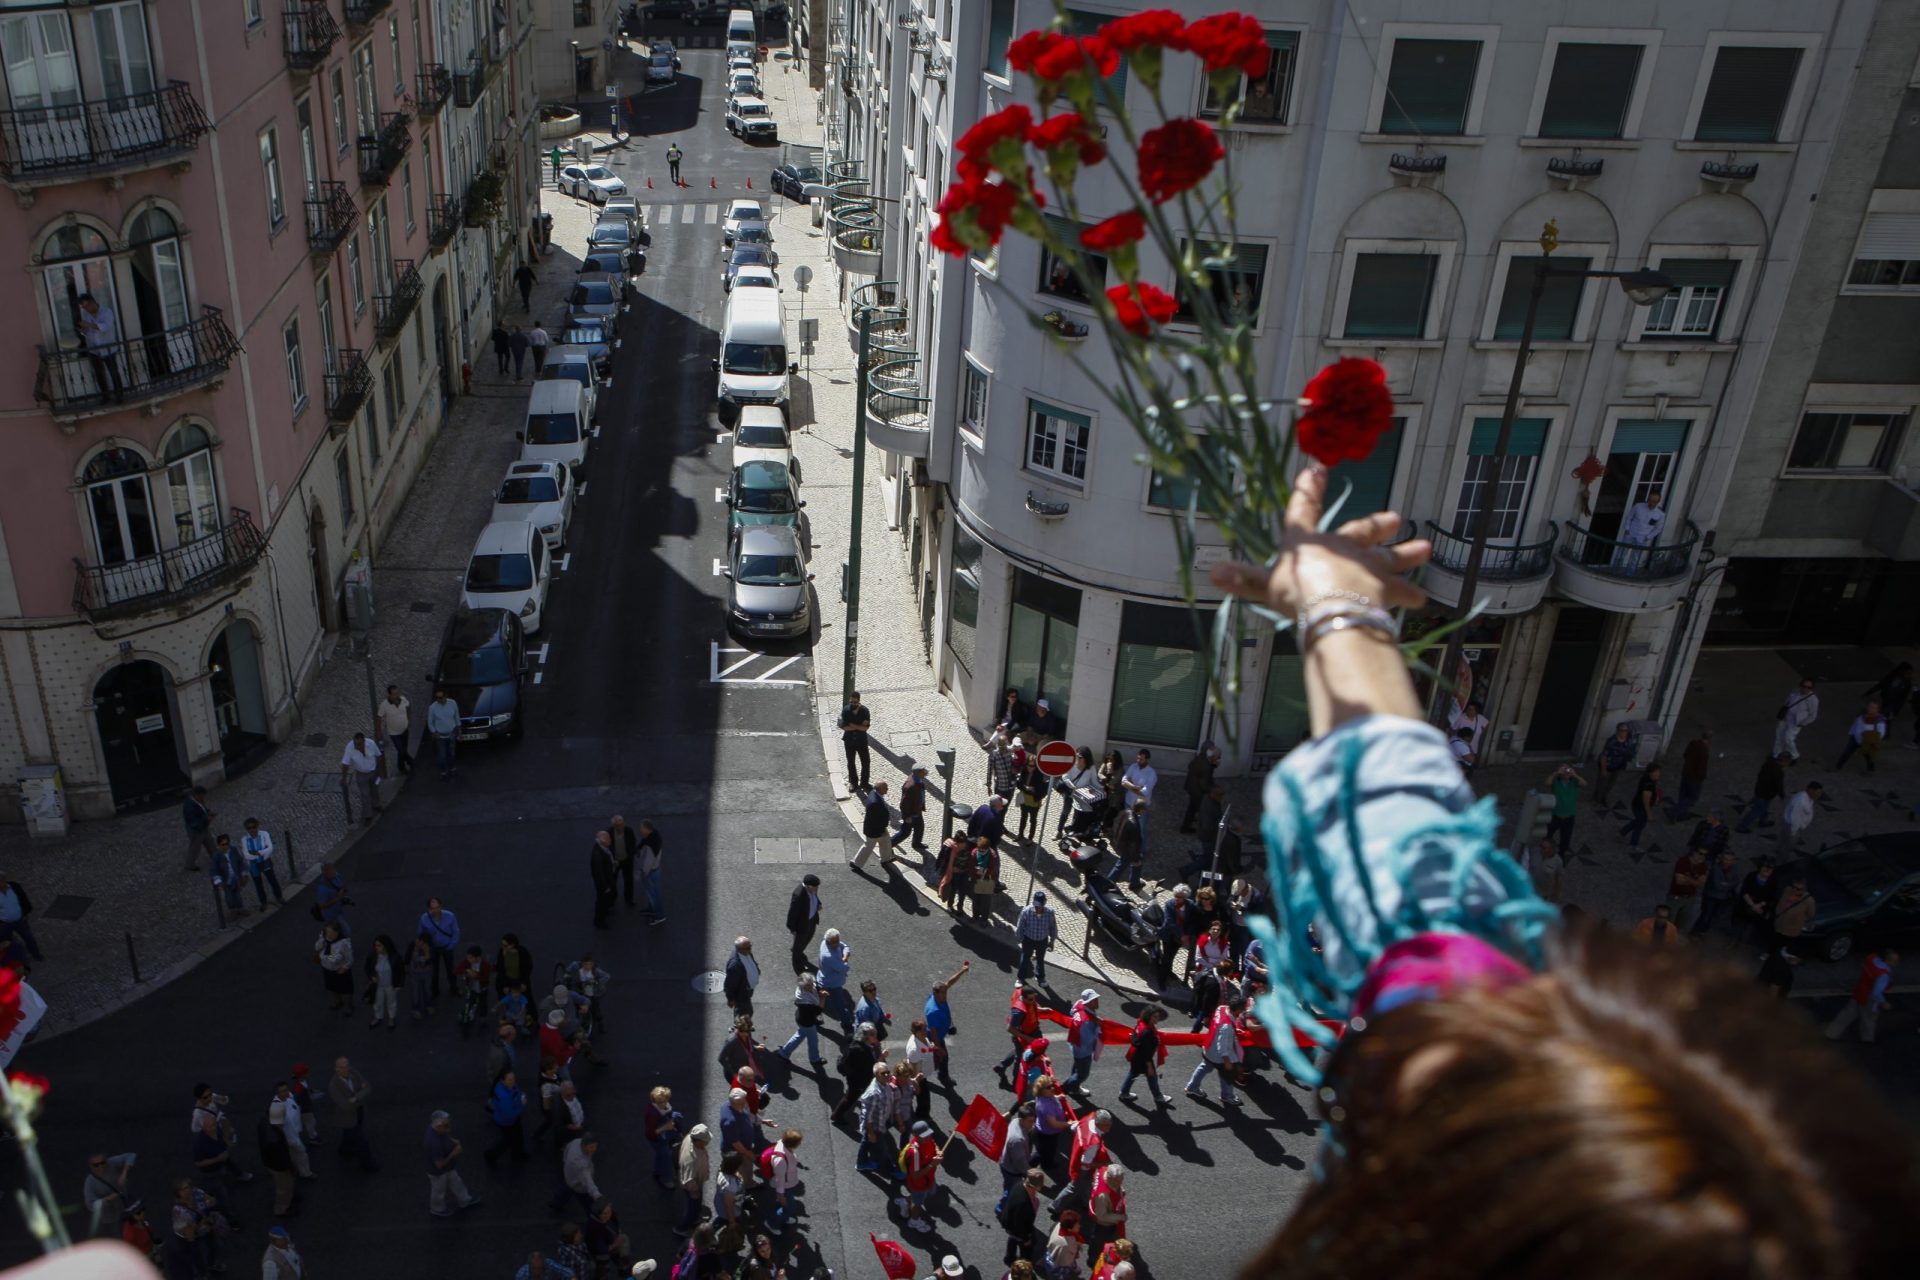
[(474, 735)]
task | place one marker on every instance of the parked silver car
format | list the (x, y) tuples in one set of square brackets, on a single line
[(767, 594)]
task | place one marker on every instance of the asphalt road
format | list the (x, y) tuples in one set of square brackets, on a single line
[(625, 719)]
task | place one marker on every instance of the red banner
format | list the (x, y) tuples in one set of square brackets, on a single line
[(982, 1125), (1112, 1032), (896, 1261)]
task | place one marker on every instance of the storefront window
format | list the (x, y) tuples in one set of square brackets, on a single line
[(963, 599), (1160, 679), (1043, 633), (1479, 654), (1283, 706)]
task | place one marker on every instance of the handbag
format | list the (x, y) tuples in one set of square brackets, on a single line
[(984, 886)]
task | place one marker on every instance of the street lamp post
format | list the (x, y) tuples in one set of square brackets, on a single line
[(1644, 287), (859, 504)]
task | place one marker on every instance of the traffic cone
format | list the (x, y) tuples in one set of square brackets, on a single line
[(649, 184), (749, 184), (713, 183)]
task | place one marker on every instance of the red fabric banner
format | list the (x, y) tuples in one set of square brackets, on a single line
[(982, 1125), (896, 1261), (1112, 1032)]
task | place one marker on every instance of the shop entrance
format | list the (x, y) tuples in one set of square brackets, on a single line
[(133, 709)]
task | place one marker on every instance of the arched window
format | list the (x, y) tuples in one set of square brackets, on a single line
[(191, 492), (75, 262), (160, 289), (120, 507)]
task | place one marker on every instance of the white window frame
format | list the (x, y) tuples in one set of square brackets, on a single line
[(1649, 42), (1792, 116), (296, 358), (393, 40), (1259, 317), (356, 275), (339, 108), (1583, 318), (1541, 502), (1288, 108), (1732, 308), (276, 189), (1390, 34), (1854, 400), (1054, 474), (406, 194), (1884, 200), (1448, 251), (255, 13), (972, 371)]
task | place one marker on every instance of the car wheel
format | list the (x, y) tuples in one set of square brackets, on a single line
[(596, 195), (1839, 946)]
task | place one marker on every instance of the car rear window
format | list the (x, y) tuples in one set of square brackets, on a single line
[(592, 293), (553, 428), (530, 489), (500, 573), (761, 436)]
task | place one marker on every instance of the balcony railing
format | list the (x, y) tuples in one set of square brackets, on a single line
[(391, 310), (436, 86), (362, 12), (381, 152), (84, 139), (1497, 563), (75, 380), (898, 418), (105, 591), (349, 383), (331, 214), (1629, 561), (444, 216), (311, 34), (467, 84)]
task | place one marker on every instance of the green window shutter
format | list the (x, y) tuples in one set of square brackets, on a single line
[(1528, 438), (1747, 93), (1371, 477), (1249, 259), (1699, 272), (1065, 415), (1429, 86), (1590, 89), (1389, 295), (1640, 436), (1559, 301)]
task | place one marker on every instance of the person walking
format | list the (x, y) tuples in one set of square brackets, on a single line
[(1564, 783), (507, 1104), (333, 952), (103, 1192), (855, 1068), (348, 1090), (1797, 817), (855, 720), (443, 726), (1616, 756), (1083, 1038), (308, 1102), (380, 971), (281, 1261), (1016, 1154), (577, 1183), (875, 1121), (198, 820), (1768, 785), (1030, 793), (913, 810), (444, 1186), (1221, 1053), (1199, 783), (695, 1168), (1695, 760), (256, 854), (537, 342), (278, 1162), (1646, 798), (1037, 929), (1869, 996), (1716, 895), (626, 845), (555, 156), (441, 928), (834, 969), (803, 917), (523, 279), (673, 163), (1549, 871), (1085, 1157), (360, 770), (806, 1022), (650, 847), (742, 975), (519, 343), (1145, 1055), (989, 820), (1023, 1024), (920, 1165), (394, 714), (874, 821), (502, 348), (1797, 710), (228, 872), (420, 973), (781, 1164), (1000, 765), (1020, 1220), (1868, 731), (605, 883)]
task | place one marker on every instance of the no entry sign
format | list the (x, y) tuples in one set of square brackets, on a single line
[(1056, 759)]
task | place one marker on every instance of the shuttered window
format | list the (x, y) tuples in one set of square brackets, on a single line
[(1390, 294), (1640, 436), (1371, 477), (1527, 439), (1238, 275), (1591, 87), (1559, 301), (1160, 677), (1747, 93), (1889, 252), (1430, 86)]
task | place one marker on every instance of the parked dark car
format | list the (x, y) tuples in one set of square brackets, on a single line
[(791, 180), (1866, 895), (483, 667)]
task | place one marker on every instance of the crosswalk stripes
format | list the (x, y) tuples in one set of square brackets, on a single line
[(686, 213)]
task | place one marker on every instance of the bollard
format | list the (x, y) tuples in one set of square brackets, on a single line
[(219, 905), (293, 870), (133, 961)]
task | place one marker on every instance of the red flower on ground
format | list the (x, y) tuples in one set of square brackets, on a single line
[(1121, 229), (1141, 307), (1230, 41), (1150, 28), (1176, 156), (1348, 409), (1075, 55), (996, 141), (1024, 51), (1068, 132)]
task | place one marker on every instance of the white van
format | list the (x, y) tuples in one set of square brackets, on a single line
[(510, 570), (753, 365), (556, 429), (741, 28)]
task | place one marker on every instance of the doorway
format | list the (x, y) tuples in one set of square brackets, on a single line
[(160, 294), (133, 709), (125, 539), (126, 75), (1579, 633), (323, 601), (441, 339), (1043, 635), (1641, 460), (239, 696)]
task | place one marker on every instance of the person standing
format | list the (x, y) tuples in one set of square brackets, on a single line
[(1694, 763), (443, 1171), (360, 767), (519, 343), (523, 279), (507, 1103), (1798, 710), (100, 330), (1129, 835), (1199, 783), (989, 821), (1792, 914), (348, 1090), (1798, 816), (537, 341), (625, 846), (380, 968), (198, 820), (664, 1128), (913, 810), (649, 850), (441, 928), (334, 954), (874, 821), (443, 725), (228, 872), (1549, 872), (278, 1163), (281, 1261), (1768, 785), (555, 156), (256, 851), (1639, 529), (673, 163), (395, 721), (1030, 793), (1616, 756), (285, 1111), (1000, 765), (1716, 895), (1145, 1054), (1868, 731), (605, 884), (1564, 783), (741, 977), (502, 347), (1137, 784), (1038, 929), (694, 1166), (803, 917), (1646, 798), (1753, 905), (103, 1191), (1016, 1157), (854, 723), (1690, 872), (1869, 996)]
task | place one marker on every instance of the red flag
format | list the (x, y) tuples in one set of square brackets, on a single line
[(896, 1261), (982, 1125)]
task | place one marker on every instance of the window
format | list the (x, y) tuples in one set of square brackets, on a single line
[(1174, 492), (343, 480), (1057, 442), (354, 277), (1559, 307), (366, 93), (1847, 442), (1283, 703), (1371, 477), (1043, 637), (337, 88), (254, 16), (323, 304), (406, 195), (1057, 278), (582, 13), (296, 367), (1591, 89), (1160, 677), (1430, 86), (390, 385), (1889, 252), (1515, 483), (373, 438), (393, 43), (963, 598), (973, 400), (192, 494), (380, 246), (270, 167), (1262, 101), (1391, 295), (1694, 307), (999, 36), (419, 343), (1237, 279), (1747, 93)]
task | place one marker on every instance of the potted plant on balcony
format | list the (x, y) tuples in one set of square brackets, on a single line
[(1061, 327), (485, 196)]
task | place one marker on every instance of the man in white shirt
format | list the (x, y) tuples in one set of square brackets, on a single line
[(100, 330), (1640, 527), (1471, 717), (1797, 710), (284, 1112), (360, 768), (394, 723), (1797, 817), (1138, 782)]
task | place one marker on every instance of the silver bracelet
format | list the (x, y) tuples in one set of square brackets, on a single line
[(1352, 597), (1378, 621)]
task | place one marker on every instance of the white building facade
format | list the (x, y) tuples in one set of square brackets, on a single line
[(1395, 169)]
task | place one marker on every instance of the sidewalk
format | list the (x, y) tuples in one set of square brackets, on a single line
[(118, 884)]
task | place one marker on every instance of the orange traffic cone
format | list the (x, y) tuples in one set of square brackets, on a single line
[(713, 183), (749, 184), (649, 184)]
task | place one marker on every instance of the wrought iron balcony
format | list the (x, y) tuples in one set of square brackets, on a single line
[(391, 310), (1625, 577), (311, 34), (77, 381), (102, 592), (467, 84), (436, 86), (444, 216), (331, 214), (362, 12), (898, 418), (349, 383), (1513, 576), (43, 145), (381, 152)]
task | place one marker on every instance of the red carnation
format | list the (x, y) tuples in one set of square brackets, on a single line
[(1176, 156), (1141, 307), (1075, 55), (1121, 229), (975, 212), (1069, 143), (9, 993), (995, 141), (1230, 41), (1148, 29), (1024, 51), (1348, 409)]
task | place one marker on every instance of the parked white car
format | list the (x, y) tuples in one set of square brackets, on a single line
[(541, 493), (510, 570), (738, 212), (743, 84), (593, 182), (761, 435), (750, 278), (751, 120)]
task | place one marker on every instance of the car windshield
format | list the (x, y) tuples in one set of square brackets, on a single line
[(760, 436), (748, 254), (754, 358), (500, 573), (575, 370), (806, 173), (775, 502), (769, 571), (753, 109), (596, 172), (530, 489), (662, 58), (553, 428), (592, 293), (745, 213), (478, 666), (614, 232), (752, 233)]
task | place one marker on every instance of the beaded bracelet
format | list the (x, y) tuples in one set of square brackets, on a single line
[(1326, 621)]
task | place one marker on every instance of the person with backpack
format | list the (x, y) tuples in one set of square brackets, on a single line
[(919, 1165), (1145, 1054), (780, 1166)]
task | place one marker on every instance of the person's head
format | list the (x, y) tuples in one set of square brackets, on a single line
[(867, 1031), (1653, 772), (89, 303), (1083, 759), (1140, 810), (183, 1190), (1797, 887), (790, 1139), (880, 789), (1142, 756), (1046, 1087), (1027, 1113), (278, 1237), (1013, 696), (1115, 759), (603, 838), (1547, 847), (1621, 731), (222, 841), (342, 1068), (252, 826), (602, 1209), (1806, 686), (1726, 858), (1153, 1015), (1070, 1222), (567, 1089), (359, 738), (807, 982), (1206, 896), (508, 1078), (646, 826), (1103, 1120), (393, 694), (832, 938), (1217, 931), (737, 1099), (919, 1028), (730, 1164), (746, 1076), (762, 1246), (440, 1122), (810, 880), (661, 1095), (1815, 790), (1873, 709), (998, 802), (1889, 955), (588, 1143), (1653, 497), (199, 793), (433, 906), (743, 944), (853, 699), (1619, 1131), (882, 1072), (439, 695), (331, 931)]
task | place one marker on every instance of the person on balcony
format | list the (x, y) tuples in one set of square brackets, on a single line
[(100, 330), (1640, 528)]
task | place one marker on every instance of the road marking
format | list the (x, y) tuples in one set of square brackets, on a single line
[(739, 659), (723, 437), (718, 567), (596, 431), (719, 493), (539, 655), (538, 676), (686, 213), (710, 213), (581, 492), (566, 560)]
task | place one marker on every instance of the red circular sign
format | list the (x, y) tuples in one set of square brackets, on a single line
[(1056, 759)]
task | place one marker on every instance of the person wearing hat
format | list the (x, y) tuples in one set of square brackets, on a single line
[(695, 1168), (1083, 1038), (1038, 929), (920, 1162), (913, 810), (443, 1173), (303, 1095), (949, 1266), (137, 1233), (803, 917), (281, 1261), (806, 1021), (1044, 725)]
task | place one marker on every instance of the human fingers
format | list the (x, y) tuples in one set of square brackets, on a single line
[(1371, 530), (1236, 577), (1404, 557), (1309, 497), (1398, 593)]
